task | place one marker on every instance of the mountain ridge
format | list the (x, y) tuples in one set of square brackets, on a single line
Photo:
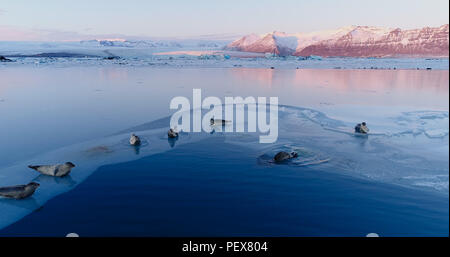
[(351, 41)]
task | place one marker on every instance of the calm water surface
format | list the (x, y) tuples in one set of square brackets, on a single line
[(221, 184)]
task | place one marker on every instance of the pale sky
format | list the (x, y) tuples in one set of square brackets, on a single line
[(66, 20)]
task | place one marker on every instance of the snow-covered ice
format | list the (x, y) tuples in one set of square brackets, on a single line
[(191, 55)]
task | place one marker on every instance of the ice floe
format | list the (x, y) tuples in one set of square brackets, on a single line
[(401, 158)]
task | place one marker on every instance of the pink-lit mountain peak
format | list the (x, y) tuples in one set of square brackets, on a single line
[(353, 41)]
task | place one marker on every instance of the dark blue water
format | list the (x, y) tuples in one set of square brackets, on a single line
[(212, 188)]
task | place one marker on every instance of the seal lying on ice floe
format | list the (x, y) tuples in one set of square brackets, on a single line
[(19, 191), (4, 59), (57, 170), (135, 140), (282, 156), (218, 122)]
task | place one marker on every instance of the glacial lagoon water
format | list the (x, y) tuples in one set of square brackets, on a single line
[(393, 182)]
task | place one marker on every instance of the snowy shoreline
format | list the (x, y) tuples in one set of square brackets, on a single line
[(225, 61)]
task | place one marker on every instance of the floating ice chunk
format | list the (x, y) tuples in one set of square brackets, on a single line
[(270, 55), (433, 124), (209, 57), (436, 133), (437, 182), (314, 57)]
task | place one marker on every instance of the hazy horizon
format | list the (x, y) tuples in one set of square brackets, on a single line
[(82, 20)]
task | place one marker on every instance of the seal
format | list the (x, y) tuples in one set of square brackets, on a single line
[(4, 59), (57, 170), (172, 133), (361, 128), (282, 156), (19, 191), (218, 122), (135, 140)]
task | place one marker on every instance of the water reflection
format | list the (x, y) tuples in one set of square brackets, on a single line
[(66, 180), (386, 87), (346, 80), (248, 77), (115, 74), (137, 149), (38, 95), (29, 204)]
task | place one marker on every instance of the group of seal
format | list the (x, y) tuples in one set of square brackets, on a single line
[(173, 133), (136, 141), (56, 170), (61, 170), (24, 191), (360, 128)]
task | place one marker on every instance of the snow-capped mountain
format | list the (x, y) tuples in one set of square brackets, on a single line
[(352, 41), (276, 42)]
